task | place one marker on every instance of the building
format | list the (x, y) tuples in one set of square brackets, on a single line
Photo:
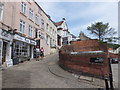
[(73, 37), (82, 36), (48, 35), (23, 26), (6, 37), (63, 35)]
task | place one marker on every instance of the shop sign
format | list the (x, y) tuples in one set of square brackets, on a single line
[(17, 37), (26, 40), (5, 35), (33, 42)]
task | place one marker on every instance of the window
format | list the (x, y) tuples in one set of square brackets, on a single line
[(47, 39), (47, 27), (42, 23), (0, 49), (20, 49), (1, 11), (42, 35), (30, 1), (23, 8), (36, 19), (50, 42), (51, 30), (31, 14), (96, 60), (39, 10), (22, 26), (30, 30)]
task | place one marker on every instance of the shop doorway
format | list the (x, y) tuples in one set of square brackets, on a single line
[(4, 52)]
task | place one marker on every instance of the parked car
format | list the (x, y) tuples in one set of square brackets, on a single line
[(114, 60)]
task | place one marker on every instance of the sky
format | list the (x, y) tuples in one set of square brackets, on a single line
[(80, 15)]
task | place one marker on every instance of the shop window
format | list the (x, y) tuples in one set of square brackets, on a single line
[(21, 49), (96, 60)]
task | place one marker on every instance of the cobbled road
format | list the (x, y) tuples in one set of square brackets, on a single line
[(38, 74)]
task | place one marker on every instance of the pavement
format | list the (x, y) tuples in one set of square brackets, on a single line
[(45, 73)]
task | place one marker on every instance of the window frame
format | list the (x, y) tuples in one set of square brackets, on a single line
[(23, 8), (37, 19), (30, 30), (31, 14), (22, 26), (1, 13)]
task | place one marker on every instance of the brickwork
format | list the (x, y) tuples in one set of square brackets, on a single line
[(88, 45), (80, 63)]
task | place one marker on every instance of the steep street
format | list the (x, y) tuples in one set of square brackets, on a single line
[(44, 74)]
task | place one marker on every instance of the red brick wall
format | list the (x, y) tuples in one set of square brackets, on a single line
[(113, 55), (81, 62), (88, 45)]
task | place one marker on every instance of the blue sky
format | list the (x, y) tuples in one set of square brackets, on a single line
[(79, 15)]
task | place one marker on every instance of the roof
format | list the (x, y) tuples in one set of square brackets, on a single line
[(110, 48), (73, 36), (59, 23)]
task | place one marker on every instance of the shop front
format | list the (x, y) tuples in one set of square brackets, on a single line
[(6, 39), (22, 49)]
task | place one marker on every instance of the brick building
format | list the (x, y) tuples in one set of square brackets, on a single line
[(86, 57)]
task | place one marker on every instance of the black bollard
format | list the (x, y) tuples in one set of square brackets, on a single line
[(110, 75), (106, 84), (111, 82)]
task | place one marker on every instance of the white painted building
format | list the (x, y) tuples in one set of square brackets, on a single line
[(63, 35)]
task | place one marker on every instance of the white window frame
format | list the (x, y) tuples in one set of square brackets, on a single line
[(42, 23), (22, 26), (1, 46), (1, 11), (47, 27), (23, 7), (47, 39), (36, 19), (50, 30), (30, 13), (30, 29)]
